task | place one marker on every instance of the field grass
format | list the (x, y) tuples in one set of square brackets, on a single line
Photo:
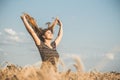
[(31, 72)]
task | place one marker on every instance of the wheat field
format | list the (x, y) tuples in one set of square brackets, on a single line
[(47, 72)]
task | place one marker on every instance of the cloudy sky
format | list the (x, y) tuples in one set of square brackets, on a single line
[(91, 31)]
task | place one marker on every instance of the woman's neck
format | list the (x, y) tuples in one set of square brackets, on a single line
[(48, 42)]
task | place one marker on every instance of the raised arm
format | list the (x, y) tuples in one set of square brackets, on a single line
[(60, 33), (33, 24), (54, 23), (30, 30)]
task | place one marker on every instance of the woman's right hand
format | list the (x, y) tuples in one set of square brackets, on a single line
[(23, 16)]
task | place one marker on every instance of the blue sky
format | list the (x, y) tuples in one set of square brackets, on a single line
[(91, 31)]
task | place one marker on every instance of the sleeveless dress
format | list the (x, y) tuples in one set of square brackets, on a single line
[(48, 54)]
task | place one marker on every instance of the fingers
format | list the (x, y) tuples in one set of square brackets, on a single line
[(26, 15), (23, 15), (59, 22), (57, 18)]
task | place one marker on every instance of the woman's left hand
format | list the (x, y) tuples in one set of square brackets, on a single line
[(59, 23)]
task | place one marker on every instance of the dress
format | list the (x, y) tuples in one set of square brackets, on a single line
[(48, 54)]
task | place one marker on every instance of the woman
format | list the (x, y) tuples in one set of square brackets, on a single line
[(43, 39)]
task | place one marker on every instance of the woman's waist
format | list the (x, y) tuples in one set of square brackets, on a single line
[(50, 54)]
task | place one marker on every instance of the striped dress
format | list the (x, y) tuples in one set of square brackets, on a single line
[(48, 54)]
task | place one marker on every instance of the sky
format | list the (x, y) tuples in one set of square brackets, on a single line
[(91, 31)]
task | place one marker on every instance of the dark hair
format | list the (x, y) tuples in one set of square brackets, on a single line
[(43, 33), (46, 29)]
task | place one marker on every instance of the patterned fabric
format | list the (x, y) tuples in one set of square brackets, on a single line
[(48, 54)]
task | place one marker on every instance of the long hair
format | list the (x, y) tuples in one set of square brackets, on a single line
[(38, 30), (43, 33)]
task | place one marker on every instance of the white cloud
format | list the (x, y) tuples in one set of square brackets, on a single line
[(110, 56), (15, 38), (12, 35), (113, 52), (10, 31)]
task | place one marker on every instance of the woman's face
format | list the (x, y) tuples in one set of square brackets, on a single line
[(48, 35)]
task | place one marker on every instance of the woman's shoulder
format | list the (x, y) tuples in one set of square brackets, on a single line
[(53, 44), (41, 44)]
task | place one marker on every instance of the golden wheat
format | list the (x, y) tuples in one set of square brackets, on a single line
[(47, 72)]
